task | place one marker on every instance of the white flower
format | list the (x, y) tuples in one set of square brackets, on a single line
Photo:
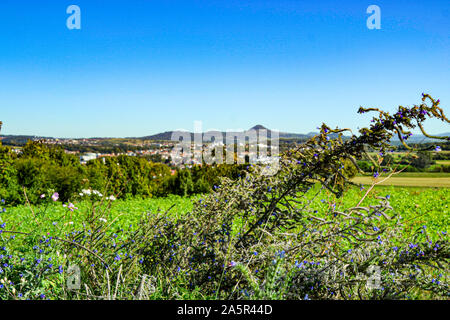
[(97, 193), (103, 220), (112, 198)]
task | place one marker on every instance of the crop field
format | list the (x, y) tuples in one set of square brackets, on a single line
[(398, 155), (422, 205), (413, 179), (418, 207), (123, 212)]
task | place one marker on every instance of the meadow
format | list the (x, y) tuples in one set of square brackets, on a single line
[(419, 207)]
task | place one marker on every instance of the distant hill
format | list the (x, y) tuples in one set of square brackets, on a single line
[(287, 135), (159, 136), (258, 127), (19, 139), (167, 136), (419, 138)]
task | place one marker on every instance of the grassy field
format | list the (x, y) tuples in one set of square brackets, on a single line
[(123, 213), (419, 208), (422, 205), (418, 205)]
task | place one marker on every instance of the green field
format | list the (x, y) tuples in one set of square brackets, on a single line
[(123, 212), (419, 208), (423, 205)]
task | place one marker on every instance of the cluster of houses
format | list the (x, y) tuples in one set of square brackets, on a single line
[(163, 152), (148, 148), (195, 155)]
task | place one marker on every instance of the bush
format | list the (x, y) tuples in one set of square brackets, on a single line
[(422, 160), (365, 166)]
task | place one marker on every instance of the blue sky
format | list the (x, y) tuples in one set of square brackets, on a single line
[(141, 67)]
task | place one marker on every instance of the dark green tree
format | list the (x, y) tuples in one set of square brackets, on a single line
[(422, 160)]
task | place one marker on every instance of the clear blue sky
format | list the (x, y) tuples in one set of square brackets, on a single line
[(142, 67)]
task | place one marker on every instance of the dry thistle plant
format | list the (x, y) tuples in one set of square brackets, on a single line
[(260, 237)]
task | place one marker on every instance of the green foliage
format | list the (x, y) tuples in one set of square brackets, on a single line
[(40, 168), (349, 170), (422, 160), (182, 183), (201, 186), (9, 186), (365, 166), (388, 160)]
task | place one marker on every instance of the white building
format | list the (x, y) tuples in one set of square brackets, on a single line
[(88, 156)]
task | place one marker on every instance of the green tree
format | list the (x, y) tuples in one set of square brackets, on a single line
[(201, 186), (182, 183), (422, 160)]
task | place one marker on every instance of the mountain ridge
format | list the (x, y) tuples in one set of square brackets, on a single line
[(167, 136)]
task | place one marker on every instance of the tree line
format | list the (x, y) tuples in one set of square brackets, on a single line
[(43, 169)]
